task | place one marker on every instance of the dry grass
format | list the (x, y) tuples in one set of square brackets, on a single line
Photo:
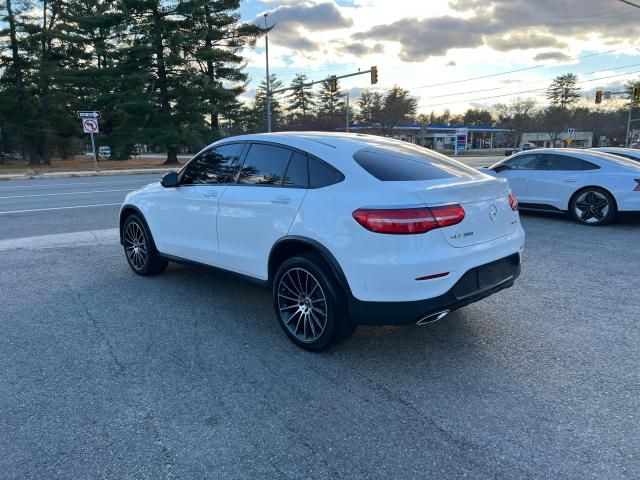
[(82, 163)]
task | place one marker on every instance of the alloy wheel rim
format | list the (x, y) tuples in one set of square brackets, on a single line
[(592, 207), (302, 304), (135, 245)]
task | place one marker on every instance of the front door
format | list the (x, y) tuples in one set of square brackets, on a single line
[(186, 218)]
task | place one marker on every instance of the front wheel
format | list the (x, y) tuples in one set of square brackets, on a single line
[(593, 206), (309, 303), (141, 253)]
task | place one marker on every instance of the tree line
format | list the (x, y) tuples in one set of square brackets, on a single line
[(163, 74)]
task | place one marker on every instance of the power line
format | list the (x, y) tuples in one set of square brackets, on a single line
[(630, 3), (546, 65), (530, 83), (527, 91)]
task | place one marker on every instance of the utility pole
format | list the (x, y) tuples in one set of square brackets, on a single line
[(347, 129), (626, 139), (266, 44)]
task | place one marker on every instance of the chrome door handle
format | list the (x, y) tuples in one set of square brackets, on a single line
[(520, 178), (210, 194), (570, 180), (281, 199)]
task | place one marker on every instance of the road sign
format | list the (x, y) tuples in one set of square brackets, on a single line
[(89, 125), (571, 133), (82, 115)]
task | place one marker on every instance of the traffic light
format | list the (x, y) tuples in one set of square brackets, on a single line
[(333, 84), (599, 96), (636, 93), (374, 75)]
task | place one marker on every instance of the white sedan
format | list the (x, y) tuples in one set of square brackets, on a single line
[(630, 153), (592, 186)]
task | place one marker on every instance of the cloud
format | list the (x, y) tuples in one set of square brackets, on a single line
[(360, 49), (523, 41), (559, 56), (504, 25), (292, 22)]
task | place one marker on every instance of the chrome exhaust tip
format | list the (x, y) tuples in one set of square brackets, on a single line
[(432, 318)]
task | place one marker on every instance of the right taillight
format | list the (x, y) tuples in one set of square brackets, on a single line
[(513, 201), (405, 221), (637, 189)]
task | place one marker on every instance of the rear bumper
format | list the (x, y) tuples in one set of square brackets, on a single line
[(476, 284)]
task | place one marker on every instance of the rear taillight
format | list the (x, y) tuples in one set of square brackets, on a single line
[(513, 201), (404, 221), (637, 189)]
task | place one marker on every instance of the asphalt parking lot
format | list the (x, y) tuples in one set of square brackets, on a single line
[(104, 374)]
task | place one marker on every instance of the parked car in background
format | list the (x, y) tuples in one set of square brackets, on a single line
[(523, 148), (592, 186), (630, 153), (345, 229)]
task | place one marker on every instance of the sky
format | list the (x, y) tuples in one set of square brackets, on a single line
[(433, 47)]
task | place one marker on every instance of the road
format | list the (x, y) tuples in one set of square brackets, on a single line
[(50, 206), (104, 374)]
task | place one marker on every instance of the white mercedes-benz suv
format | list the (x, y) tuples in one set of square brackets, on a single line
[(345, 229)]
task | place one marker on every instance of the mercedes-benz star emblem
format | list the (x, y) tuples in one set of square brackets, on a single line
[(493, 212)]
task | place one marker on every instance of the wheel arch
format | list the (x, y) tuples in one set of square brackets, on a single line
[(125, 212), (587, 187), (290, 246)]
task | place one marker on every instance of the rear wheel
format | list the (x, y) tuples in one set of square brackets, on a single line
[(141, 253), (593, 206), (309, 303)]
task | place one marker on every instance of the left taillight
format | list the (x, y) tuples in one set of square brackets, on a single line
[(406, 221), (637, 189), (513, 201)]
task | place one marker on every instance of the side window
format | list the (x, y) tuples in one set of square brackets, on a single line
[(264, 165), (589, 166), (213, 166), (523, 162), (321, 174), (296, 175), (560, 162)]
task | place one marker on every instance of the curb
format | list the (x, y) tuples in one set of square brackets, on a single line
[(88, 173)]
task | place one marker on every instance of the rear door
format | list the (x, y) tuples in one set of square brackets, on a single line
[(556, 178), (260, 207)]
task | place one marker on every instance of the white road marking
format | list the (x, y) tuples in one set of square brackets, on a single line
[(54, 185), (108, 236), (60, 208), (64, 193)]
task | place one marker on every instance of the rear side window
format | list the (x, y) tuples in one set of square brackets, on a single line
[(296, 175), (213, 166), (565, 163), (321, 174), (264, 165), (394, 166)]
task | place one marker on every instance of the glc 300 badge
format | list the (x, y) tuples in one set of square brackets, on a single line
[(493, 212)]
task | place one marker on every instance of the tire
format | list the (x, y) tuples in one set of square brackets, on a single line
[(301, 287), (139, 248), (593, 206)]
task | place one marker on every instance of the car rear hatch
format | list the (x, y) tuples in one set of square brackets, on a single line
[(437, 180), (488, 213)]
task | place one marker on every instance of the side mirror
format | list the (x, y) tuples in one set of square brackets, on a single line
[(169, 180), (501, 168)]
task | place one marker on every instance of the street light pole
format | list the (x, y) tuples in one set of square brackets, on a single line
[(266, 43), (347, 129)]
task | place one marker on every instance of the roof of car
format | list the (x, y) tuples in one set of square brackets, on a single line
[(326, 139)]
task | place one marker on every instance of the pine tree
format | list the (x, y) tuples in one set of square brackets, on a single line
[(301, 98), (331, 103), (370, 105), (564, 91), (258, 120)]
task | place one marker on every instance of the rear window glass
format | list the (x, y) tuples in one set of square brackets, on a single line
[(322, 175), (399, 164)]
